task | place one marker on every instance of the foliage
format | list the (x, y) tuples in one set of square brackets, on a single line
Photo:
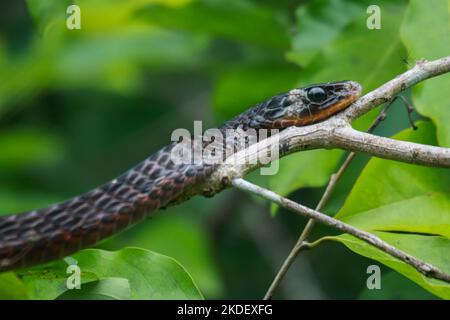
[(411, 216), (78, 107), (130, 273)]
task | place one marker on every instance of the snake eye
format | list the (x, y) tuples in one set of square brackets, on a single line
[(316, 94)]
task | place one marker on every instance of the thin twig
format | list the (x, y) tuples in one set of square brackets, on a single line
[(335, 177), (421, 266), (299, 245)]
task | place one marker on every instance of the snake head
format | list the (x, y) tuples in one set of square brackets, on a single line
[(307, 105)]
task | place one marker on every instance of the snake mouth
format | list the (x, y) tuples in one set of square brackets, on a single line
[(353, 92), (354, 88), (340, 95)]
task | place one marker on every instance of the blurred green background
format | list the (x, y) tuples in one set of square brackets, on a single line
[(79, 107)]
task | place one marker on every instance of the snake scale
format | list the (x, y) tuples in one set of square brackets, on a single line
[(51, 233)]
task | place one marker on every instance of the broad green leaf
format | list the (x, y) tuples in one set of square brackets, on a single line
[(240, 20), (47, 282), (432, 249), (433, 15), (395, 286), (431, 98), (150, 275), (406, 205), (106, 289), (427, 213), (195, 254), (11, 288), (386, 182)]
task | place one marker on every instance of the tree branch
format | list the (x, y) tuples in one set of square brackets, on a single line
[(300, 244), (351, 139), (337, 132), (421, 71), (421, 266), (301, 241)]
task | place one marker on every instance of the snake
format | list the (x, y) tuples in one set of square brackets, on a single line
[(40, 236)]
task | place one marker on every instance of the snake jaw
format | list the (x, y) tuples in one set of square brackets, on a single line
[(303, 110)]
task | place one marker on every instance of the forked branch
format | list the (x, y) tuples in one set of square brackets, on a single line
[(338, 133)]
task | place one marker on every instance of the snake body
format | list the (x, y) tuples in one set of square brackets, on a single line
[(51, 233)]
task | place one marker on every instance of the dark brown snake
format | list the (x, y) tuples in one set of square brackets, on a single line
[(56, 231)]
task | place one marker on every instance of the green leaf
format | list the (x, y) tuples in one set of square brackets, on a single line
[(394, 286), (433, 16), (240, 20), (106, 289), (435, 250), (387, 183), (11, 287), (195, 254), (150, 275), (431, 98), (427, 213), (406, 205)]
